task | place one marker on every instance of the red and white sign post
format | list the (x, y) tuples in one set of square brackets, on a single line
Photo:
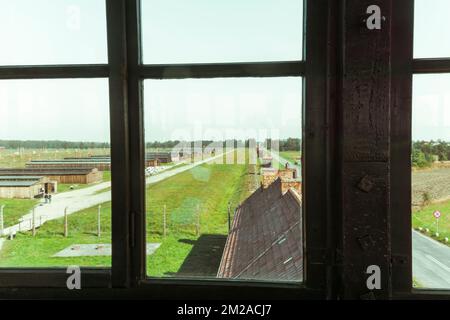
[(437, 215)]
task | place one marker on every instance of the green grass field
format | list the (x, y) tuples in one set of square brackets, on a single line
[(290, 155), (424, 218), (62, 187), (15, 209), (106, 176), (276, 164), (67, 187), (206, 189), (26, 251)]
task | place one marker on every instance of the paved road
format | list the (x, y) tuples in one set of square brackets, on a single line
[(431, 262), (85, 198)]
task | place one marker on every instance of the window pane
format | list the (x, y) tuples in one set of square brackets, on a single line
[(223, 167), (54, 163), (43, 32), (432, 28), (431, 181), (203, 31)]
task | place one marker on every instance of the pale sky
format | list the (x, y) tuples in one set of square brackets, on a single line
[(68, 109), (174, 31), (185, 31), (431, 93), (220, 109)]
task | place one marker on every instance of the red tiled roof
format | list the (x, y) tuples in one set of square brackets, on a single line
[(265, 242)]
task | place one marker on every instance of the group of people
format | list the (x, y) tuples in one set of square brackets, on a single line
[(47, 196)]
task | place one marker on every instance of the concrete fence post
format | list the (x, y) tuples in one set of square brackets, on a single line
[(33, 223), (99, 227), (229, 217), (66, 226), (164, 221)]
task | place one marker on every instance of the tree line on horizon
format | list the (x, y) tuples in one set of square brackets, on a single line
[(51, 144), (424, 153), (289, 144)]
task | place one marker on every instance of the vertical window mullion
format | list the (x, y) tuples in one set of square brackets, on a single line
[(400, 146), (117, 55), (136, 140)]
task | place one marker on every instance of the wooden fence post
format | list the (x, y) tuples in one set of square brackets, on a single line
[(229, 217), (66, 226), (164, 221), (198, 220), (99, 227)]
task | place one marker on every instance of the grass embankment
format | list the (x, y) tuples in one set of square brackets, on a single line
[(15, 209), (423, 218)]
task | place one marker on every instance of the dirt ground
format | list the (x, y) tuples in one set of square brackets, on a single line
[(435, 182)]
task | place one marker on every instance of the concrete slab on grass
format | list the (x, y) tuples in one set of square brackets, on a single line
[(92, 250)]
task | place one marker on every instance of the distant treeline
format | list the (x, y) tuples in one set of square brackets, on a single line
[(162, 145), (290, 144), (54, 144), (204, 143), (424, 153)]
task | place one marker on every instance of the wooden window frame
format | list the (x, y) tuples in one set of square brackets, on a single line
[(126, 74), (404, 68)]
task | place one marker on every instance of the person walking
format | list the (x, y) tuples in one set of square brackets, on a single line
[(49, 198)]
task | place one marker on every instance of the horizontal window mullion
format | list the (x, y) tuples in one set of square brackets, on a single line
[(228, 289), (54, 72), (431, 66), (423, 294), (223, 70), (53, 278)]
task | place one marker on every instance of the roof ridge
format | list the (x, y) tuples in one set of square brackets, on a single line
[(295, 195)]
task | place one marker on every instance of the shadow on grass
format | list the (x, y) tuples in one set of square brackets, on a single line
[(204, 258)]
